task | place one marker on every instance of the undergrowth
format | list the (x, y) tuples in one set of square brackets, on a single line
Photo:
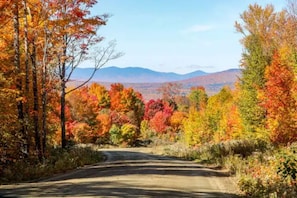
[(58, 161), (261, 170)]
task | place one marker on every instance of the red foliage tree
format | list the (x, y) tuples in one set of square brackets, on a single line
[(159, 122), (152, 107), (161, 119)]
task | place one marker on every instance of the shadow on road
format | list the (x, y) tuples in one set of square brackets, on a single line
[(134, 163), (95, 181), (103, 189)]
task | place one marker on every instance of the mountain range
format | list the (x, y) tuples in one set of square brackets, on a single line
[(147, 81), (131, 75)]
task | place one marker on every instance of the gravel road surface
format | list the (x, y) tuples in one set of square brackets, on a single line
[(131, 172)]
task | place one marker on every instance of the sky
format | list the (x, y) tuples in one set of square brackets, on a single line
[(178, 36)]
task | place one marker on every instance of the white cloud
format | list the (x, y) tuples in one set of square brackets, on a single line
[(198, 28)]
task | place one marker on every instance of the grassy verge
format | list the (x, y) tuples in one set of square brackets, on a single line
[(57, 161), (261, 169)]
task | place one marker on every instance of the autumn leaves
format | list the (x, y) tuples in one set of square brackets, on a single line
[(41, 43), (268, 86)]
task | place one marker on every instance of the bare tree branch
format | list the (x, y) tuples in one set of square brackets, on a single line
[(101, 57)]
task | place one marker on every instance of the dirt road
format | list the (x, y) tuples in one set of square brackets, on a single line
[(130, 173)]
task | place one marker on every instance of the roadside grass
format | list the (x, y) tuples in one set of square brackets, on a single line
[(57, 161), (260, 169)]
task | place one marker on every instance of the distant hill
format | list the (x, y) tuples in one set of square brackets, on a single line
[(213, 82), (131, 75)]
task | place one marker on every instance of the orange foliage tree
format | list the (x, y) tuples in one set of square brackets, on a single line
[(279, 101)]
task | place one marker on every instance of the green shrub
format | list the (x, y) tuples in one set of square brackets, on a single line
[(127, 134), (115, 134)]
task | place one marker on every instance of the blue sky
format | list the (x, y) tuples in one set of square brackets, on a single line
[(176, 35)]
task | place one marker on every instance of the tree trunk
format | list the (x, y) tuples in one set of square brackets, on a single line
[(44, 113), (16, 45), (27, 81), (63, 94), (44, 94), (63, 119), (36, 102)]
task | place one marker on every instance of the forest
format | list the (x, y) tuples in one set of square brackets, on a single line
[(251, 130)]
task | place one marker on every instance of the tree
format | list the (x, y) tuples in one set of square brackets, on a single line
[(176, 120), (83, 106), (258, 30), (169, 91), (115, 94), (261, 23), (252, 81), (127, 103), (101, 95), (115, 134), (129, 133), (279, 100), (75, 33), (198, 98), (194, 133), (221, 116), (12, 136), (152, 107), (160, 121), (183, 103), (18, 70), (264, 31), (9, 130), (133, 106), (103, 126)]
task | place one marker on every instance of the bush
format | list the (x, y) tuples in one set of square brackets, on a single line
[(215, 153), (129, 133), (125, 135), (181, 151), (220, 153), (115, 134), (145, 130), (59, 161), (287, 164), (272, 177)]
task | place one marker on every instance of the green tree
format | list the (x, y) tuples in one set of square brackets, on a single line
[(256, 56), (198, 98)]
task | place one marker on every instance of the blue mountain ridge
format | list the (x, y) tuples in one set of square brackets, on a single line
[(131, 75)]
